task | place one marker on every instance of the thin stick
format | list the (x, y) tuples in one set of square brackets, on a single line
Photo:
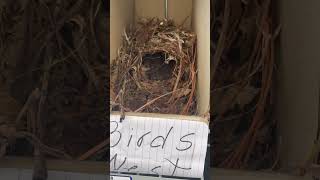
[(193, 76), (34, 95), (39, 165), (92, 19), (154, 100), (178, 79), (222, 39), (35, 141), (93, 150), (64, 59)]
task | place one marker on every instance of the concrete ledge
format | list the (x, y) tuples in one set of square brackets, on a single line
[(92, 167), (26, 174), (222, 174)]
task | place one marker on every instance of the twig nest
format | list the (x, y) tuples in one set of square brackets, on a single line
[(155, 69)]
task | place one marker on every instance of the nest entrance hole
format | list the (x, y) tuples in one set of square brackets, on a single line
[(156, 67)]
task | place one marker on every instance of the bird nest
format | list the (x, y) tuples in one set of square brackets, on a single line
[(155, 70)]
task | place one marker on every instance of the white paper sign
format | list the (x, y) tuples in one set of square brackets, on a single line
[(158, 146)]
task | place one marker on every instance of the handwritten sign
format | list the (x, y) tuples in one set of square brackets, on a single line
[(158, 146)]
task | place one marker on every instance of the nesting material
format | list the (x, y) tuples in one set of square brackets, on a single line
[(155, 70), (53, 78), (242, 73)]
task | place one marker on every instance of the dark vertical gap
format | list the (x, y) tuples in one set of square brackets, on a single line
[(209, 157), (210, 130), (276, 19), (318, 130), (107, 83)]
